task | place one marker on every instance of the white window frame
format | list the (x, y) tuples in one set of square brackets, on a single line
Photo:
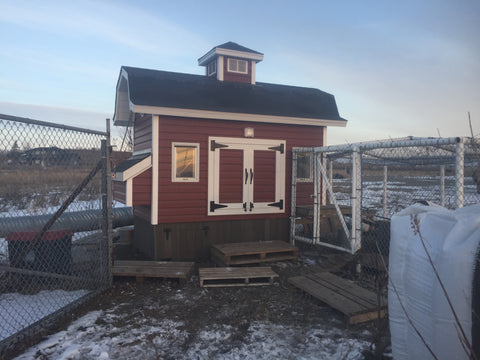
[(212, 67), (195, 178), (234, 69), (248, 146), (310, 178)]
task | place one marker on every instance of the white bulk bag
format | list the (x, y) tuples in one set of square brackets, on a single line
[(452, 238)]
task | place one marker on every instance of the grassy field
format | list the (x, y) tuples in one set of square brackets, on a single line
[(31, 189)]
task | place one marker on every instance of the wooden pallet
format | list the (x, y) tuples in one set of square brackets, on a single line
[(238, 276), (356, 303), (252, 252), (162, 269)]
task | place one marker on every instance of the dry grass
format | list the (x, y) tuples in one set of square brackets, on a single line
[(36, 188)]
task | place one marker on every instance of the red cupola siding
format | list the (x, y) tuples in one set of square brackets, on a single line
[(211, 156)]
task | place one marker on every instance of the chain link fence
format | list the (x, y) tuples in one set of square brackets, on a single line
[(343, 198), (54, 223), (355, 189)]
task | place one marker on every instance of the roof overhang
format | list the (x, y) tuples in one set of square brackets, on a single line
[(123, 106), (205, 59), (219, 115), (134, 170)]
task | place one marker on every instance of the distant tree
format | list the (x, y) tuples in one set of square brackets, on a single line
[(15, 147), (14, 154)]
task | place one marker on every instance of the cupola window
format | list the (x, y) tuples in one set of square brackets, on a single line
[(212, 68), (238, 66)]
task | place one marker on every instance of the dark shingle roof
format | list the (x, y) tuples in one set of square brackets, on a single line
[(127, 164), (199, 92), (234, 46)]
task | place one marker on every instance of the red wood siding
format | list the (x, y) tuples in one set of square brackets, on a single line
[(142, 188), (119, 191), (238, 77), (187, 201), (142, 138), (231, 176), (264, 176)]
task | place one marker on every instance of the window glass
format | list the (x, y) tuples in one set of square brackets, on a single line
[(235, 65), (185, 162), (242, 66), (304, 167), (212, 67)]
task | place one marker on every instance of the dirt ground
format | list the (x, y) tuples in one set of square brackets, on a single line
[(159, 319)]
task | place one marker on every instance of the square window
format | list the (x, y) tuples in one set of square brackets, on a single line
[(304, 167), (238, 66), (185, 162)]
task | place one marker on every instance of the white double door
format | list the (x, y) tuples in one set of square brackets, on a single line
[(246, 176)]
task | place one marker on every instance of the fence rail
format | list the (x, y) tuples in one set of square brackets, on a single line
[(46, 266)]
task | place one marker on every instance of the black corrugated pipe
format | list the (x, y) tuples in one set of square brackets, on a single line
[(76, 221)]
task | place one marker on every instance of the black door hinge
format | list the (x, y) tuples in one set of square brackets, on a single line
[(214, 145), (280, 148), (277, 204), (214, 206)]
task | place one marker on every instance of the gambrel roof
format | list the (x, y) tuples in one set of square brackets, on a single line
[(177, 94)]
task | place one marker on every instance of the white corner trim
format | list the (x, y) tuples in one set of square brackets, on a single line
[(155, 155), (129, 193), (220, 68), (219, 115), (253, 74)]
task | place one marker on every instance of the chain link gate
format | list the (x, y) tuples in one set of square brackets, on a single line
[(355, 189), (55, 227)]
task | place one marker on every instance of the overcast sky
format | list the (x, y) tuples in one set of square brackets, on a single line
[(396, 68)]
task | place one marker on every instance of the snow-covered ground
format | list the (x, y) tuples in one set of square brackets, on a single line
[(18, 311), (85, 338)]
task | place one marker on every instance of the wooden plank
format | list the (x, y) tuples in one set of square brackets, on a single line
[(356, 303), (228, 276), (255, 259), (346, 288), (164, 269), (252, 252), (254, 247)]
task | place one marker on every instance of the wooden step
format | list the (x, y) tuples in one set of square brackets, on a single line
[(238, 276), (356, 303), (252, 252), (161, 269)]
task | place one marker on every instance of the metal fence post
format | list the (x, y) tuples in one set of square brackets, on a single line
[(294, 197), (459, 172), (106, 209), (356, 200), (385, 194), (330, 176), (316, 202), (324, 180), (104, 242), (109, 206), (442, 185)]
